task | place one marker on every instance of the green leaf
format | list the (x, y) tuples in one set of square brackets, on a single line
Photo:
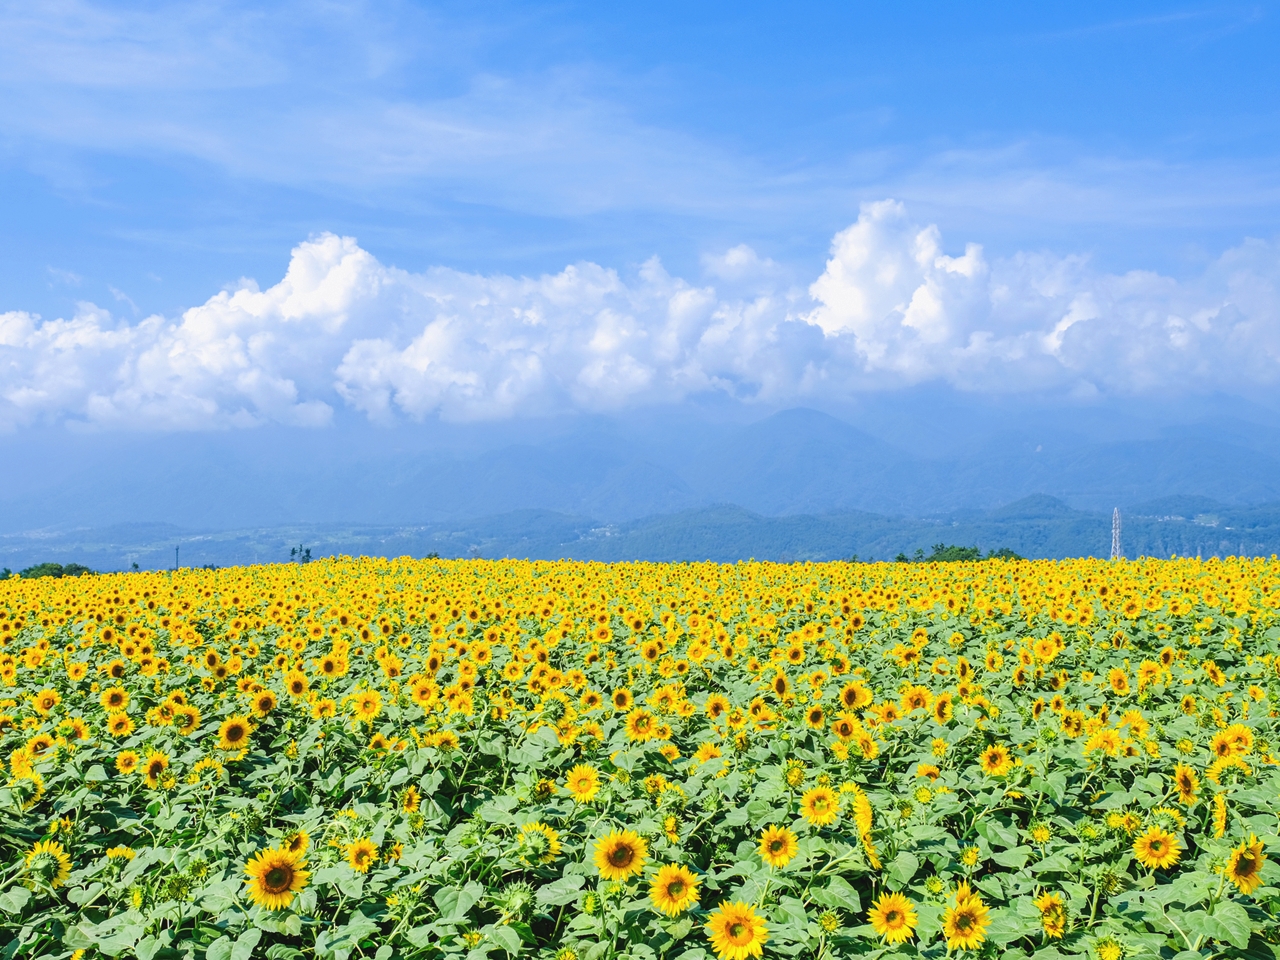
[(680, 929), (453, 903), (1014, 858), (507, 939), (220, 949), (902, 869), (561, 891), (14, 899), (838, 893), (1235, 920), (245, 943)]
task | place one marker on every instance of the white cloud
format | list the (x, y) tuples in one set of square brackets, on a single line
[(890, 308)]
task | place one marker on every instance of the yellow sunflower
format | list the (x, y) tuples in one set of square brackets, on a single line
[(541, 841), (820, 806), (114, 698), (367, 705), (48, 861), (185, 719), (674, 889), (119, 724), (361, 854), (1156, 847), (1244, 868), (157, 763), (965, 924), (234, 733), (1187, 782), (995, 760), (274, 877), (736, 932), (1053, 914), (620, 854), (640, 725), (778, 846), (893, 917), (583, 783), (44, 701)]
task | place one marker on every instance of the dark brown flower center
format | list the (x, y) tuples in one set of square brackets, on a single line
[(621, 856)]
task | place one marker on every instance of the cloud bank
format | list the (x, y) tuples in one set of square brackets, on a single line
[(890, 309)]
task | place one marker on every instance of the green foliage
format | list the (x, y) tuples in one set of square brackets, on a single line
[(52, 570)]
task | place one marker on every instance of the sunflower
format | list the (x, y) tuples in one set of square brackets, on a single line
[(995, 760), (119, 724), (893, 917), (620, 854), (185, 719), (1053, 914), (264, 703), (126, 762), (1156, 847), (1185, 779), (778, 846), (736, 931), (234, 733), (674, 889), (815, 717), (367, 705), (964, 925), (361, 854), (274, 877), (820, 806), (583, 783), (1219, 815), (44, 701), (157, 763), (49, 862), (1244, 868), (845, 727), (297, 842), (114, 698), (640, 725), (942, 710), (410, 799), (541, 841), (296, 683)]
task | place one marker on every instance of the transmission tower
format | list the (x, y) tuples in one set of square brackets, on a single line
[(1116, 552)]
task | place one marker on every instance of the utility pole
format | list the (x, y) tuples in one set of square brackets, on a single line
[(1116, 552), (175, 557)]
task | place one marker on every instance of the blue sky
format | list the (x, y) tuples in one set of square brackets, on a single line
[(1115, 167)]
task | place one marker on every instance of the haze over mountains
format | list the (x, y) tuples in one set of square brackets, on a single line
[(711, 483)]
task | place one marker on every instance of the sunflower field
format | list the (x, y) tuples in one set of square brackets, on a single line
[(562, 761)]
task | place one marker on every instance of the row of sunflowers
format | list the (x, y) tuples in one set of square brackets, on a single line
[(471, 760)]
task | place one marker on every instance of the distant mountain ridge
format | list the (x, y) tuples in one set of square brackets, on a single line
[(1037, 526), (793, 462)]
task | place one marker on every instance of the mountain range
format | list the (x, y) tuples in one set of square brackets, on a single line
[(1038, 526), (680, 484)]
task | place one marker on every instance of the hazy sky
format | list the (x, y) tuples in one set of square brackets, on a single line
[(487, 210)]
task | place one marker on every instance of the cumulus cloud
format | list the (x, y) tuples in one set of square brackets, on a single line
[(891, 308)]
